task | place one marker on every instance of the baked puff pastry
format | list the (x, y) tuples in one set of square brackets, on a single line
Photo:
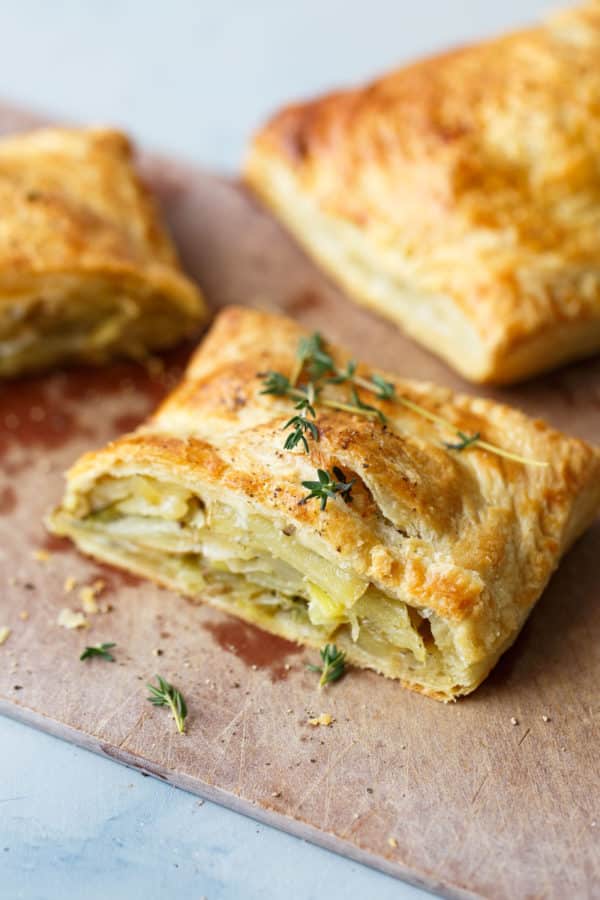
[(87, 271), (422, 560), (460, 196)]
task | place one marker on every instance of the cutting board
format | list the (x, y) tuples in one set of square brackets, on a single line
[(495, 796)]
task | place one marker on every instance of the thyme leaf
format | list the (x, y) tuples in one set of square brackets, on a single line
[(101, 650), (164, 694), (466, 440), (327, 487), (313, 356), (275, 383), (301, 426), (334, 665), (365, 407)]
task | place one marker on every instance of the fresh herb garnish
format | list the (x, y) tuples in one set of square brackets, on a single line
[(466, 440), (334, 664), (101, 650), (313, 356), (327, 487), (313, 359), (275, 383), (366, 407), (167, 695), (301, 426)]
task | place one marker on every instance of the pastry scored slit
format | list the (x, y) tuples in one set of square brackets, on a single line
[(426, 573)]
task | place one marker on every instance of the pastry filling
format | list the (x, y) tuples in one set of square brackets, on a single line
[(81, 321), (258, 569)]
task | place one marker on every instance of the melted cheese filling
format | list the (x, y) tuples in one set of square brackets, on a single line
[(252, 566)]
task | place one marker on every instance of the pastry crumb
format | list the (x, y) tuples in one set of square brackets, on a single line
[(157, 652), (41, 555), (68, 618), (4, 633), (88, 600), (392, 842), (88, 595), (324, 719), (546, 719), (276, 794), (24, 615), (514, 720), (70, 584)]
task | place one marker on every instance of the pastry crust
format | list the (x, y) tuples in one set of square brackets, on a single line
[(87, 271), (426, 576), (459, 196)]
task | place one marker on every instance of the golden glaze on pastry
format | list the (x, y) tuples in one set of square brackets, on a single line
[(427, 576), (87, 271), (459, 196)]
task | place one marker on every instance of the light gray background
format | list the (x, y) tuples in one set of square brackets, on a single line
[(194, 78)]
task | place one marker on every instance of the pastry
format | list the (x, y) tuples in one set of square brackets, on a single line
[(412, 527), (87, 271), (459, 196)]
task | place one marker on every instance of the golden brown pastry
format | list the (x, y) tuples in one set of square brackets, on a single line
[(460, 196), (425, 560), (87, 271)]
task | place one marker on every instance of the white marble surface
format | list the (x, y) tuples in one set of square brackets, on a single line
[(194, 78)]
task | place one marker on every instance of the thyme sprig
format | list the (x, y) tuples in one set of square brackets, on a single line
[(301, 426), (334, 664), (328, 487), (166, 695), (101, 650), (313, 358), (306, 397)]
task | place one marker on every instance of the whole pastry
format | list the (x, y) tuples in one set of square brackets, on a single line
[(87, 271), (287, 485), (459, 196)]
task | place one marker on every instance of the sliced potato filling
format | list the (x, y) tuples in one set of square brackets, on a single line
[(204, 544)]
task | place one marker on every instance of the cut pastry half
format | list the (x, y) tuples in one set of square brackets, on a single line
[(459, 196), (412, 527), (87, 271)]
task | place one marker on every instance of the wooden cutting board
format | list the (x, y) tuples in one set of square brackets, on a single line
[(455, 798)]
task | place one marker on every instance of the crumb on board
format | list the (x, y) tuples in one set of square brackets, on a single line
[(41, 555), (4, 633), (88, 595), (392, 842), (24, 615), (276, 794), (70, 584), (514, 720), (324, 719), (546, 719), (68, 618), (157, 652)]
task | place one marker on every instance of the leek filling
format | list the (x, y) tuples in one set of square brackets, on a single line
[(81, 322), (258, 568)]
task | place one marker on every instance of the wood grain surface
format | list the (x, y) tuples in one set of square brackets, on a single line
[(456, 798)]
